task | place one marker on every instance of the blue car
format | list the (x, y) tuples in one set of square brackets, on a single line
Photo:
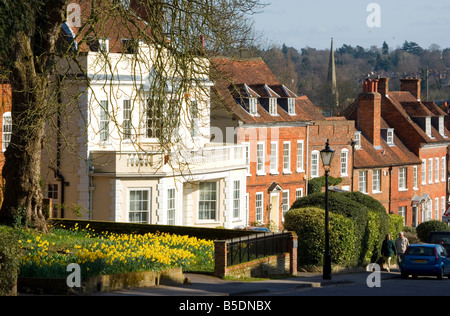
[(425, 259)]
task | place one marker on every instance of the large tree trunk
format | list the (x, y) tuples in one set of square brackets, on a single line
[(23, 193), (33, 57)]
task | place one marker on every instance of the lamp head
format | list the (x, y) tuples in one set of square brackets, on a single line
[(327, 154)]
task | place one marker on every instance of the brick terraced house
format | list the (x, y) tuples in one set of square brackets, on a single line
[(401, 150), (284, 133)]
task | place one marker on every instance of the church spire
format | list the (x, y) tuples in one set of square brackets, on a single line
[(332, 94)]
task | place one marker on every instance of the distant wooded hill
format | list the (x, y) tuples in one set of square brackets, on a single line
[(305, 71)]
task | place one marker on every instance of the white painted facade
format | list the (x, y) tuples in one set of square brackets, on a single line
[(193, 182)]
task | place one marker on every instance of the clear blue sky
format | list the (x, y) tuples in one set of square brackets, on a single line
[(302, 23)]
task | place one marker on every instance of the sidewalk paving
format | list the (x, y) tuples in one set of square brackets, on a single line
[(206, 285)]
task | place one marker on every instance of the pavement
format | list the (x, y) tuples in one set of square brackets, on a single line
[(207, 285)]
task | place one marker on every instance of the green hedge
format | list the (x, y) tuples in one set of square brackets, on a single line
[(308, 223), (315, 185), (425, 228), (127, 228), (371, 223), (9, 260)]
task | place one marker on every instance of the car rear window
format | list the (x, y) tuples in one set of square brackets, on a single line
[(436, 238), (420, 251)]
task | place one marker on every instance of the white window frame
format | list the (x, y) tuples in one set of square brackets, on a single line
[(236, 199), (362, 182), (430, 170), (315, 157), (171, 206), (428, 126), (344, 162), (300, 155), (252, 105), (415, 178), (437, 173), (274, 157), (390, 136), (298, 193), (259, 207), (204, 215), (273, 106), (127, 122), (286, 157), (291, 106), (260, 158), (149, 205), (104, 120), (376, 181), (443, 168), (424, 171), (441, 126), (402, 178), (357, 136), (6, 130)]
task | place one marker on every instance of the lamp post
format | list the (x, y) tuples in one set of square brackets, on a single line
[(327, 156)]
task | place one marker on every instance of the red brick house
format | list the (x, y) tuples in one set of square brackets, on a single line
[(284, 133), (5, 118), (401, 155)]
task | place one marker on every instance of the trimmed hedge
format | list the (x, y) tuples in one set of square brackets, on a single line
[(315, 185), (371, 222), (308, 224), (126, 228), (425, 228)]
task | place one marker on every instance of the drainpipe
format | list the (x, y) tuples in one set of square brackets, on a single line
[(390, 190), (307, 159), (58, 173)]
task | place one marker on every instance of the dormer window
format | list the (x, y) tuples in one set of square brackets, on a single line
[(291, 106), (273, 106), (428, 126), (357, 140), (441, 126), (252, 102), (98, 44), (390, 136)]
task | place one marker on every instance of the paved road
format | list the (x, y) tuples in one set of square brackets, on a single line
[(204, 285)]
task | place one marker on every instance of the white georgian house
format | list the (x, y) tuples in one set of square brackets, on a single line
[(107, 162)]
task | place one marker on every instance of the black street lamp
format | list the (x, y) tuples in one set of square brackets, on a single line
[(327, 156)]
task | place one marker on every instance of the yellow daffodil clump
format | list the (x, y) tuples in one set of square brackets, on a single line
[(108, 253)]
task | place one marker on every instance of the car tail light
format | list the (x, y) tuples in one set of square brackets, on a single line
[(436, 254)]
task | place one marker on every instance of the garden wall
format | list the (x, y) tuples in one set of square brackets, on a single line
[(102, 283)]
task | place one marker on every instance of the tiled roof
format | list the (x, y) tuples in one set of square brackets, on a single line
[(410, 107), (236, 80), (387, 155)]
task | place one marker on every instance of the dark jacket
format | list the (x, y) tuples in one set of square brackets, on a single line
[(388, 248)]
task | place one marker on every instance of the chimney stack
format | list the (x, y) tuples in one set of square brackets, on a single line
[(383, 86), (412, 85), (369, 112)]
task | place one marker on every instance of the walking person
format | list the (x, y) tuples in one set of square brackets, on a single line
[(401, 244), (387, 251)]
